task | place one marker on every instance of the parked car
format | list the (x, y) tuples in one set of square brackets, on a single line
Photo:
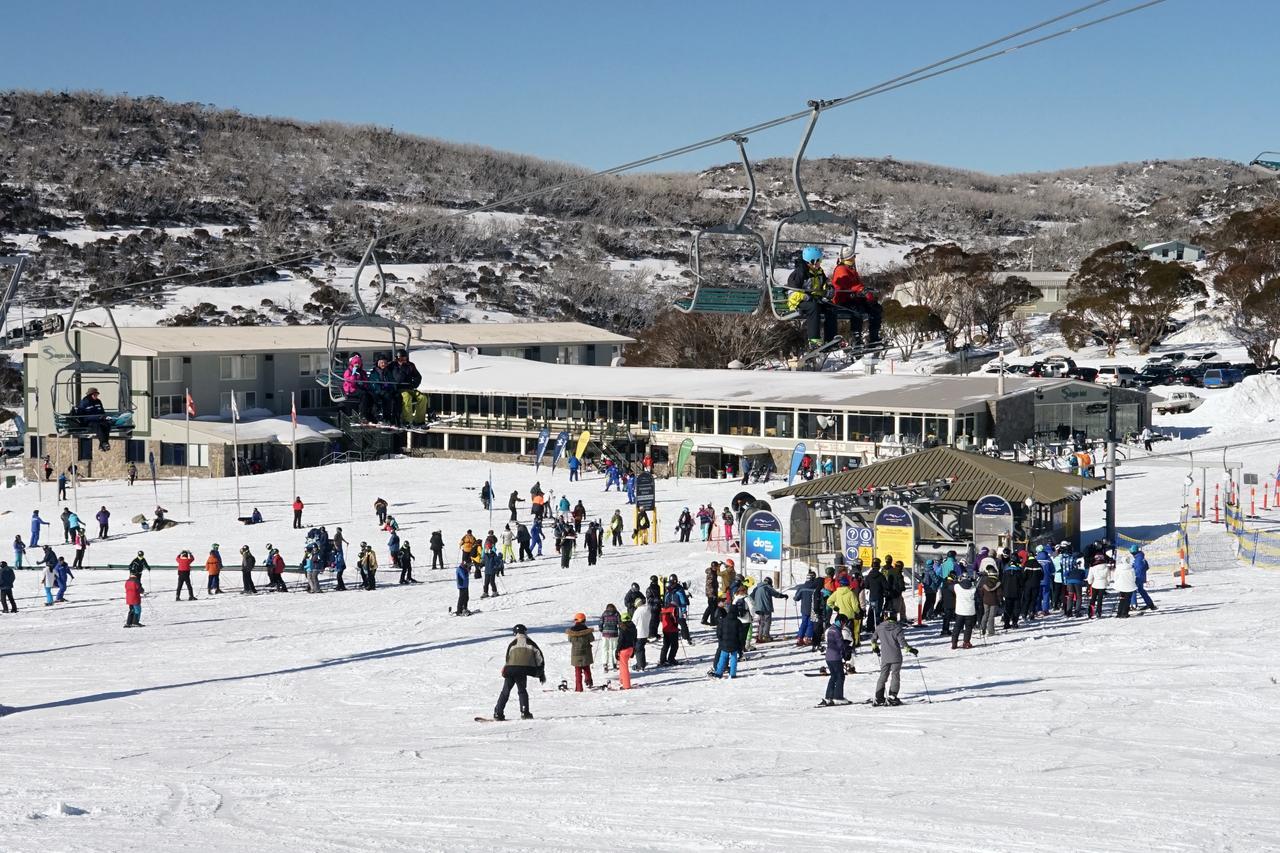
[(1177, 403), (1174, 357), (1121, 375), (13, 445), (1221, 377), (1246, 368), (1084, 374), (1155, 375), (1201, 357), (1055, 366), (1184, 376)]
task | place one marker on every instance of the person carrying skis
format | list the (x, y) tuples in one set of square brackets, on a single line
[(523, 661), (184, 560), (580, 639), (213, 569), (889, 643), (627, 637), (837, 650), (610, 621)]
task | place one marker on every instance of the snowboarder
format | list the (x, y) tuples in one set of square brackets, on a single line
[(184, 560), (609, 625), (104, 522), (523, 660), (890, 642), (837, 650), (213, 569), (7, 578), (462, 577), (580, 639), (247, 562)]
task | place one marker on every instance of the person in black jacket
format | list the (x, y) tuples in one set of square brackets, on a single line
[(407, 379), (523, 659), (626, 649), (633, 599), (728, 646), (653, 600), (895, 590), (247, 562), (91, 414), (876, 587), (437, 549), (1011, 585), (512, 501), (523, 541)]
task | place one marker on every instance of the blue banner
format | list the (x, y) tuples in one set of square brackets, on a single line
[(797, 456), (562, 441), (761, 539), (544, 438)]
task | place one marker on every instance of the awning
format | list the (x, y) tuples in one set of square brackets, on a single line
[(273, 430), (733, 446)]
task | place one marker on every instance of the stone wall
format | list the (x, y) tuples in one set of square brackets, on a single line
[(111, 463)]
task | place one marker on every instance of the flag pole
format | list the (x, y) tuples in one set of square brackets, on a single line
[(235, 448), (293, 446), (186, 408)]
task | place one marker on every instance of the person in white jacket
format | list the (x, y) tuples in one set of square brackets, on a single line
[(966, 610), (1099, 577), (1125, 581), (643, 619), (49, 579)]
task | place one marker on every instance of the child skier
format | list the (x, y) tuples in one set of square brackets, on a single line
[(580, 639)]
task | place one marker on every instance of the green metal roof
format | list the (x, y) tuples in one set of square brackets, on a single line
[(973, 475)]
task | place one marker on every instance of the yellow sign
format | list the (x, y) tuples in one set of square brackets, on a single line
[(895, 534)]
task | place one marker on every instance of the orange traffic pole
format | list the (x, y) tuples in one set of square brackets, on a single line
[(1216, 489), (919, 604), (1198, 514), (1253, 493)]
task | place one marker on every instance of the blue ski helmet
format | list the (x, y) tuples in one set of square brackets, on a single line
[(811, 254)]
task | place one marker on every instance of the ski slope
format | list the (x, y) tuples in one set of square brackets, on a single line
[(344, 722)]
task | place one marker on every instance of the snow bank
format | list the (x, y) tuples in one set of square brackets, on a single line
[(1256, 400)]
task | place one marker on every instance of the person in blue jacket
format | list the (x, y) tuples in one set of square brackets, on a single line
[(1074, 575), (36, 523), (631, 490), (615, 479), (574, 464), (462, 576), (62, 571), (1045, 558), (535, 536), (1140, 568)]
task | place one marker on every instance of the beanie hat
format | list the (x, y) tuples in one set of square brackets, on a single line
[(844, 581)]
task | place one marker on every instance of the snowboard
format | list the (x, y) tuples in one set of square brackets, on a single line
[(488, 720)]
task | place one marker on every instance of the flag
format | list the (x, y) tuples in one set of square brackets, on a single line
[(797, 457), (562, 441), (191, 406), (682, 458), (235, 412), (293, 410), (543, 438)]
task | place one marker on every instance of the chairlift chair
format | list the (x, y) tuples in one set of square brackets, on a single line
[(68, 384), (344, 331), (1267, 161), (781, 249), (744, 297)]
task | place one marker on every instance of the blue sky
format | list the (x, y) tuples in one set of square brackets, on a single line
[(602, 83)]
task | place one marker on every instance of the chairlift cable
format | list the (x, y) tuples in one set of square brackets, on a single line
[(926, 72)]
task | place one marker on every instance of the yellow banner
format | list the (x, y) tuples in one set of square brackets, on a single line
[(583, 441)]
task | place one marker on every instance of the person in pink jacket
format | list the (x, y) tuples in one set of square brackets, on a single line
[(355, 387)]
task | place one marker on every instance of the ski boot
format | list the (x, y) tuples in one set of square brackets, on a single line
[(525, 715), (895, 701), (499, 718)]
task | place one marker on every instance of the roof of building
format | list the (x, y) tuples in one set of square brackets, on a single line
[(973, 474), (277, 429), (517, 334), (1036, 275), (883, 391), (155, 340), (1165, 243)]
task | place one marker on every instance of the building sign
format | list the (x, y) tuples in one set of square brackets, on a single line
[(858, 543), (895, 534), (992, 522), (646, 495), (762, 540)]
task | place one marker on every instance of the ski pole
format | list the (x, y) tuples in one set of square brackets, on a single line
[(928, 697)]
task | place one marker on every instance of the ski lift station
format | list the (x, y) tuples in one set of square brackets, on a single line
[(541, 376)]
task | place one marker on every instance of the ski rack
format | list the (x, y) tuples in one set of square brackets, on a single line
[(738, 298), (806, 215)]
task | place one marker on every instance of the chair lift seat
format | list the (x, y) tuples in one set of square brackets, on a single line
[(739, 299), (118, 423)]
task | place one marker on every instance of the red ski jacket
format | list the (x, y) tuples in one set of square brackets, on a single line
[(132, 591)]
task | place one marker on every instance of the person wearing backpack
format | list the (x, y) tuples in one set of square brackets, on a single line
[(213, 569)]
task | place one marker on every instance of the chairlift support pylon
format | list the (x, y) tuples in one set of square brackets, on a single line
[(806, 215), (68, 384), (17, 262), (738, 297)]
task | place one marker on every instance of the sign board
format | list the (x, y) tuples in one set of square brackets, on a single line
[(1251, 479), (761, 538), (859, 543), (992, 522), (646, 495), (896, 534)]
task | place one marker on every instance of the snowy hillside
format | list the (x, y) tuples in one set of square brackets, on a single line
[(345, 722)]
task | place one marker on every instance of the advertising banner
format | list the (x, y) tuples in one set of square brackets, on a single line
[(761, 538), (992, 522), (544, 438)]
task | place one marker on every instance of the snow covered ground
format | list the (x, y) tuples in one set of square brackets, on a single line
[(344, 722)]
